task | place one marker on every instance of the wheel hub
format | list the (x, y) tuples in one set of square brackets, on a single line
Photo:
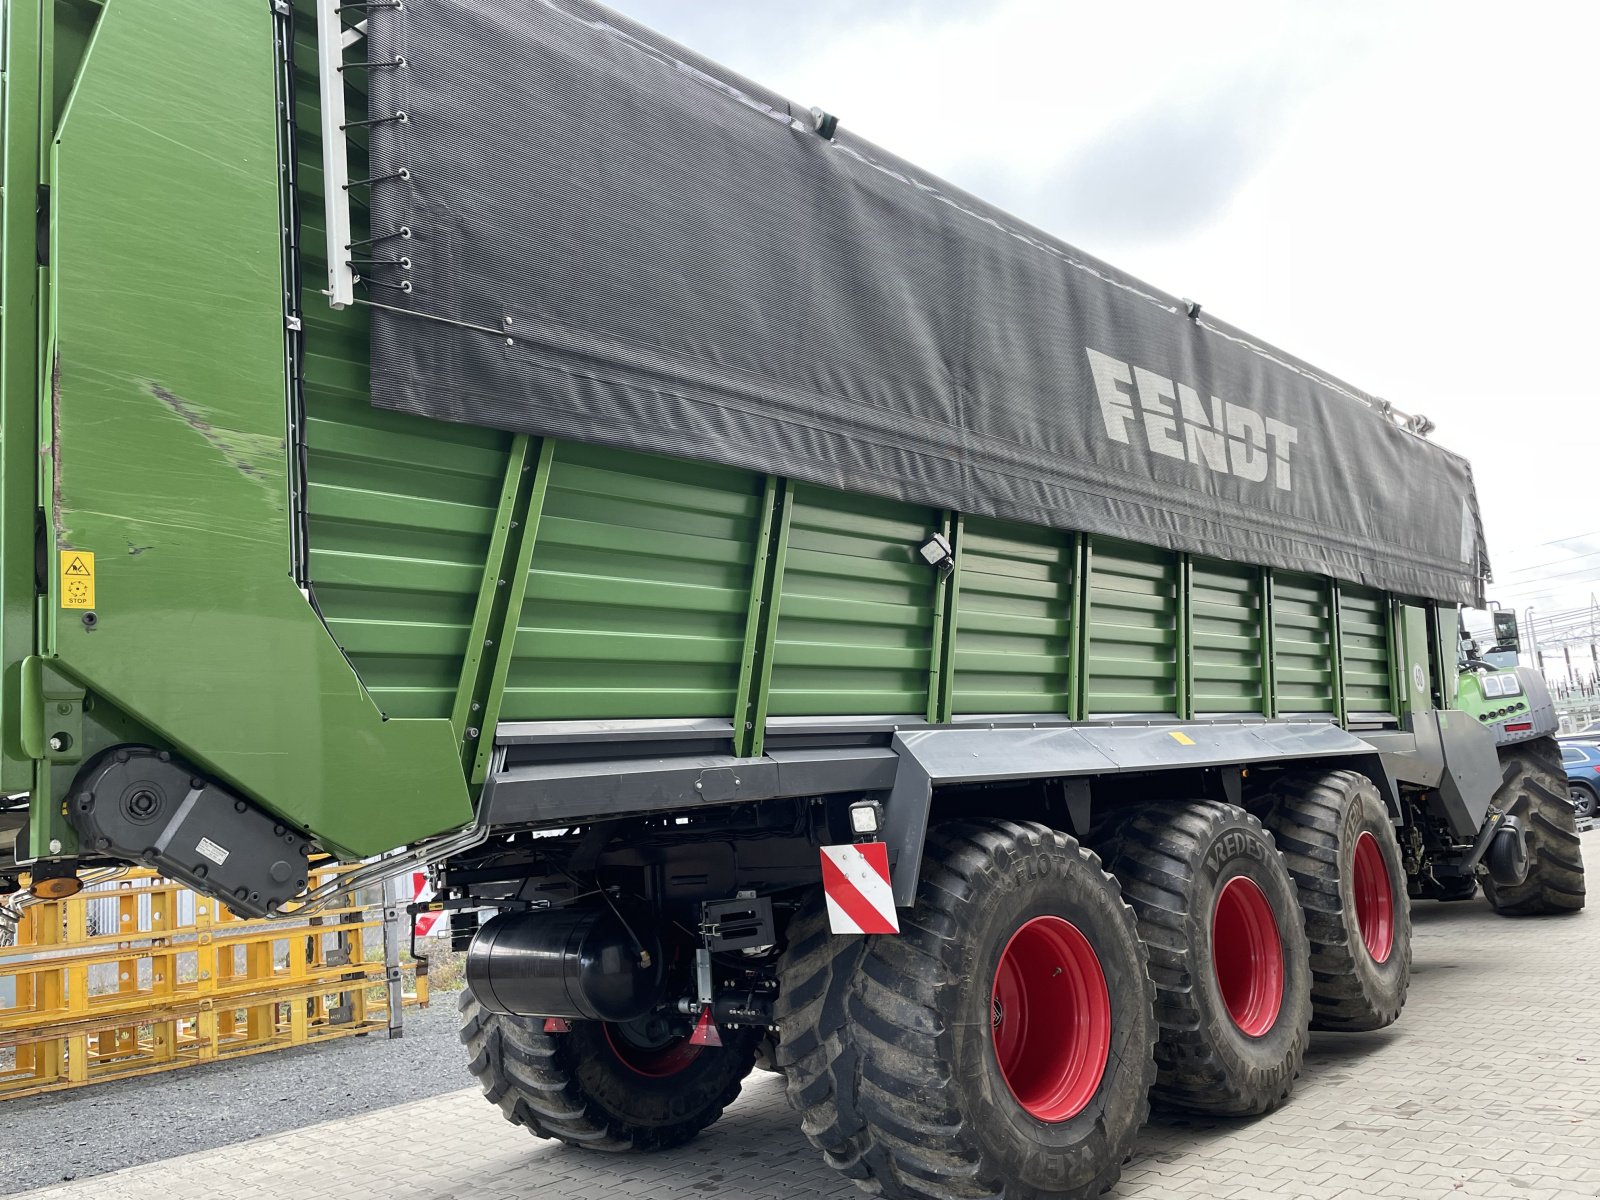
[(1051, 1016), (651, 1046), (1374, 897), (1247, 955)]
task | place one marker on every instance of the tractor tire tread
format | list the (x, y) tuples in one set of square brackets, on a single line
[(521, 1071), (1533, 786), (1306, 820)]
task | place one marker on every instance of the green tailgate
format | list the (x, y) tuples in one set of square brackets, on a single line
[(172, 399)]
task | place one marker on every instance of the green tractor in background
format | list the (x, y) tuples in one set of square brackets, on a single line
[(1514, 702)]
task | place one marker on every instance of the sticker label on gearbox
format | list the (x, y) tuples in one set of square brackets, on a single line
[(212, 851)]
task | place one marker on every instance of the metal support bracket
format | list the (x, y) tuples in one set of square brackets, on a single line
[(1080, 804), (504, 586), (335, 164), (761, 622), (740, 924), (50, 713), (703, 994), (392, 911)]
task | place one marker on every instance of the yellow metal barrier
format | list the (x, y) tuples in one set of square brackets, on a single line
[(139, 974)]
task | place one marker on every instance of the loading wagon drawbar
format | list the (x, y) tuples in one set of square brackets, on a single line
[(834, 623)]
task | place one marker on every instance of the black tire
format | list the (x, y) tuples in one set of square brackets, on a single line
[(575, 1087), (1321, 820), (1584, 800), (816, 1050), (1450, 889), (888, 1043), (767, 1055), (1533, 787), (1175, 862)]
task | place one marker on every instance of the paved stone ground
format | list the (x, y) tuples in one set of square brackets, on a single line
[(1488, 1087)]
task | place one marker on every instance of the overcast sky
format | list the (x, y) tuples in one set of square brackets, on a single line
[(1404, 194)]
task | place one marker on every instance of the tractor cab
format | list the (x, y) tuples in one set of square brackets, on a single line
[(1511, 699)]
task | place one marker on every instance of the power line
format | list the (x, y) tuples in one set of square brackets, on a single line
[(1570, 627), (1575, 537), (1562, 619), (1591, 571), (1558, 563)]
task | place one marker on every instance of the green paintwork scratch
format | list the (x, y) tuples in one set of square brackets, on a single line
[(241, 450)]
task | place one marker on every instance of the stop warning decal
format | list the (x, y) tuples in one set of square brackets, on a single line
[(77, 579)]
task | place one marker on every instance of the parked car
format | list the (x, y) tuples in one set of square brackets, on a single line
[(1582, 760)]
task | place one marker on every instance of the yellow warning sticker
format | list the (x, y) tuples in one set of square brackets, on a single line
[(77, 579), (1183, 739)]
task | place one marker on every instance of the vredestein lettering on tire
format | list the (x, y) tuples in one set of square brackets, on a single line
[(871, 1024), (1220, 918)]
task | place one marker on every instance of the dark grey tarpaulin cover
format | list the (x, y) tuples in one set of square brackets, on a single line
[(616, 241)]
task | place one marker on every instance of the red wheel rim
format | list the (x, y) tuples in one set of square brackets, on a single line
[(1247, 953), (648, 1053), (1374, 898), (1051, 1015)]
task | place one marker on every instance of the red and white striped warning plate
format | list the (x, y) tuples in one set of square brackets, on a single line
[(422, 891), (855, 880)]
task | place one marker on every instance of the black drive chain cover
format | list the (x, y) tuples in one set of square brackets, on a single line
[(145, 806)]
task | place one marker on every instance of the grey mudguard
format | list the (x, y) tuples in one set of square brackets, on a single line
[(1472, 770), (1451, 751), (932, 757)]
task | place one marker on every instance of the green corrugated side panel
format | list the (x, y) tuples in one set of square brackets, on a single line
[(399, 509), (639, 591), (1302, 631), (1364, 639), (1132, 663), (1225, 605), (639, 587), (399, 525), (855, 626), (1013, 642)]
